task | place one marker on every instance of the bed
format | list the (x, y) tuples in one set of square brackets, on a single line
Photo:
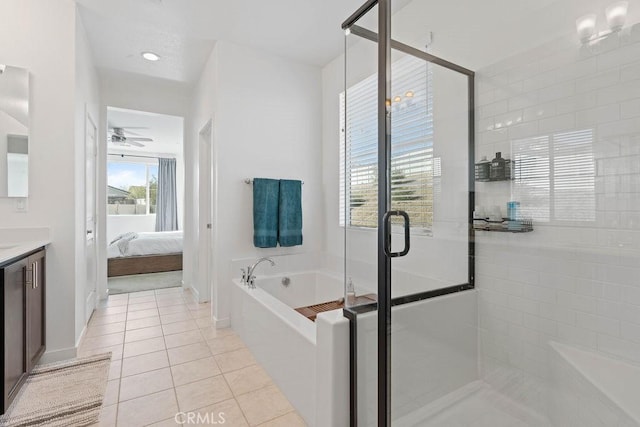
[(138, 253)]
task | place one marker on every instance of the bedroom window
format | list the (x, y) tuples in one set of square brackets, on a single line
[(131, 188), (412, 160)]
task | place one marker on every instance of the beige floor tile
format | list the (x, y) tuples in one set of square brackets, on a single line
[(175, 317), (145, 383), (99, 312), (114, 303), (115, 369), (108, 416), (102, 341), (118, 297), (229, 411), (137, 348), (142, 299), (143, 334), (109, 328), (292, 419), (180, 308), (115, 350), (167, 302), (225, 344), (183, 338), (141, 306), (204, 322), (147, 409), (143, 323), (112, 318), (234, 360), (187, 353), (198, 314), (141, 294), (263, 405), (194, 371), (247, 379), (174, 328), (202, 393), (146, 362), (171, 422), (141, 314), (111, 393), (173, 290), (211, 332)]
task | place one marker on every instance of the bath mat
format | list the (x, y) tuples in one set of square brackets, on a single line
[(68, 393), (144, 282)]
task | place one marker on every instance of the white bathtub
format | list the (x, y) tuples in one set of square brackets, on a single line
[(308, 360)]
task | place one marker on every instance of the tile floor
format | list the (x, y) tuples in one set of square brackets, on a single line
[(167, 358)]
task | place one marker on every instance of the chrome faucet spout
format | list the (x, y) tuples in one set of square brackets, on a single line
[(250, 277)]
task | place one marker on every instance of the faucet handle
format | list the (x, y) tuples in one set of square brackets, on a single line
[(251, 281), (244, 275)]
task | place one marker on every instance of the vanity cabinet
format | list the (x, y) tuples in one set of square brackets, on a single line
[(22, 309)]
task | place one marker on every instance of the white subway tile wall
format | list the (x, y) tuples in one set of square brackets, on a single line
[(574, 113)]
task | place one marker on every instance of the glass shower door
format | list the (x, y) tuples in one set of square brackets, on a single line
[(406, 150)]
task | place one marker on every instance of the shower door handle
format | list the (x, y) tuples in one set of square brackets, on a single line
[(386, 222)]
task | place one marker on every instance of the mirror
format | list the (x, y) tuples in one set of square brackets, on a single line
[(14, 131)]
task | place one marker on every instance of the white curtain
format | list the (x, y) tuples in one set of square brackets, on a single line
[(166, 201)]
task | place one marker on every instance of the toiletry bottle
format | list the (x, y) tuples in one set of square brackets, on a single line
[(497, 170), (351, 294), (483, 169)]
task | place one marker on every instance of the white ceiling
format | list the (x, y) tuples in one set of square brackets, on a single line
[(166, 131), (183, 32)]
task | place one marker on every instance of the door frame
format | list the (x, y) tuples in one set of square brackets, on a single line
[(207, 214), (91, 299)]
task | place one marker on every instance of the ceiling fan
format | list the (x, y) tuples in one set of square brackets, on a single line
[(119, 137)]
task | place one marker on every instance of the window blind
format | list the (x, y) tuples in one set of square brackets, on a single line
[(555, 177), (411, 147)]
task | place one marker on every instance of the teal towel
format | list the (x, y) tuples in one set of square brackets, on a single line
[(265, 212), (290, 222)]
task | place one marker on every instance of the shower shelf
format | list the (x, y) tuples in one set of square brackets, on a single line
[(526, 226)]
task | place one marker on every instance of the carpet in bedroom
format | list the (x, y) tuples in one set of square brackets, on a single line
[(144, 282)]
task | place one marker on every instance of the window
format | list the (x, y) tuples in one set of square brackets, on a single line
[(411, 147), (132, 188), (555, 177)]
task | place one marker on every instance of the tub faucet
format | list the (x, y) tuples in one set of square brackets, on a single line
[(250, 277)]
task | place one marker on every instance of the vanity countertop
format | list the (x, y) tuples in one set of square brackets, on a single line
[(9, 251)]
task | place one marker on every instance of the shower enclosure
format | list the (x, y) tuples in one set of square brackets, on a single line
[(407, 196)]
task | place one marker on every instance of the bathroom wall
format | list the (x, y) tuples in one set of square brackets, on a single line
[(41, 36), (266, 114), (575, 279)]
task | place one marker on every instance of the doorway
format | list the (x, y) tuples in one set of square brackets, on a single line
[(145, 201), (207, 214), (91, 152)]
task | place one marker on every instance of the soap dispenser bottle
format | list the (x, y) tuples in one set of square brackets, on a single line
[(351, 294), (497, 170)]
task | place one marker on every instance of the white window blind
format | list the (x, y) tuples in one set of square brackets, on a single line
[(411, 147), (555, 177)]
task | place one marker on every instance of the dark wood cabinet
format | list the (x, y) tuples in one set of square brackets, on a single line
[(35, 316), (22, 284)]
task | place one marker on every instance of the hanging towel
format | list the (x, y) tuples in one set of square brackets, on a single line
[(290, 215), (265, 212)]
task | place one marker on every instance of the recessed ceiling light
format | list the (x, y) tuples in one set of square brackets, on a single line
[(150, 56)]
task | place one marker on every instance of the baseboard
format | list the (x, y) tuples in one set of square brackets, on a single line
[(51, 356), (221, 323)]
